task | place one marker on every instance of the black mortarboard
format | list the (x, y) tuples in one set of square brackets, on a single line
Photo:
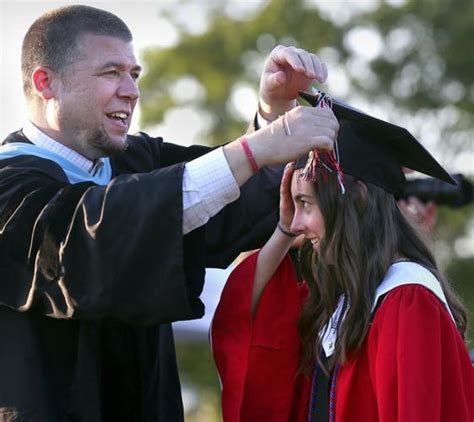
[(375, 151)]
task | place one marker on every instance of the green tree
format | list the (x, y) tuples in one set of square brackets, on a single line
[(429, 67)]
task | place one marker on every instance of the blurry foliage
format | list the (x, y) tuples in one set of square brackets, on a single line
[(432, 69), (442, 32), (198, 363), (453, 224), (435, 68), (461, 271), (198, 373)]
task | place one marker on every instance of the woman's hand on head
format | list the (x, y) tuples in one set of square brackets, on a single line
[(287, 208)]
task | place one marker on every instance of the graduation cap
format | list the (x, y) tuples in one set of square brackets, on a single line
[(371, 149)]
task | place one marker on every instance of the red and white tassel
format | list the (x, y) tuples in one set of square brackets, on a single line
[(323, 162)]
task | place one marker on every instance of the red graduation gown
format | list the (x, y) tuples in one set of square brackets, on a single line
[(412, 367)]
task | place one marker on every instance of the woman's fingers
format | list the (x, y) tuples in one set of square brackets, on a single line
[(286, 201)]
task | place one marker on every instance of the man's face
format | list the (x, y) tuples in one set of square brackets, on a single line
[(96, 96)]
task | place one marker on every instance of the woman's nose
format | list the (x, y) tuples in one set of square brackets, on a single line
[(297, 225)]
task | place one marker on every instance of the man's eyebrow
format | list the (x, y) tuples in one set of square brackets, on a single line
[(135, 68)]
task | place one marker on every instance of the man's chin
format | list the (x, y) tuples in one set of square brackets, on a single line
[(110, 145), (118, 143)]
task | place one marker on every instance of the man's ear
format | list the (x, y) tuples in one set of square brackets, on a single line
[(43, 78)]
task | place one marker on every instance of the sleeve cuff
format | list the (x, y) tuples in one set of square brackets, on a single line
[(208, 186)]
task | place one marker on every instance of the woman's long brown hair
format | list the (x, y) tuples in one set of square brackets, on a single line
[(365, 232)]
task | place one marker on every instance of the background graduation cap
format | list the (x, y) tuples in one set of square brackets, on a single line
[(375, 151)]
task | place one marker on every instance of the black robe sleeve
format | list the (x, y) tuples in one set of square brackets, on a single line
[(86, 251), (117, 251)]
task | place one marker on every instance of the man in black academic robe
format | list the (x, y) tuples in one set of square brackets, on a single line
[(92, 274), (125, 279)]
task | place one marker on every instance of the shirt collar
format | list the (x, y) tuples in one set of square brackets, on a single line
[(40, 139)]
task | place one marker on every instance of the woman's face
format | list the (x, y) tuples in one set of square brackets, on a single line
[(307, 219)]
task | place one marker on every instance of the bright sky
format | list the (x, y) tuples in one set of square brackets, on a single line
[(15, 19)]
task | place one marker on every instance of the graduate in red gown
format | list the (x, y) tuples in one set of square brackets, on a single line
[(375, 332)]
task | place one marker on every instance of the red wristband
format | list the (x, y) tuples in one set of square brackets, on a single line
[(248, 153)]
